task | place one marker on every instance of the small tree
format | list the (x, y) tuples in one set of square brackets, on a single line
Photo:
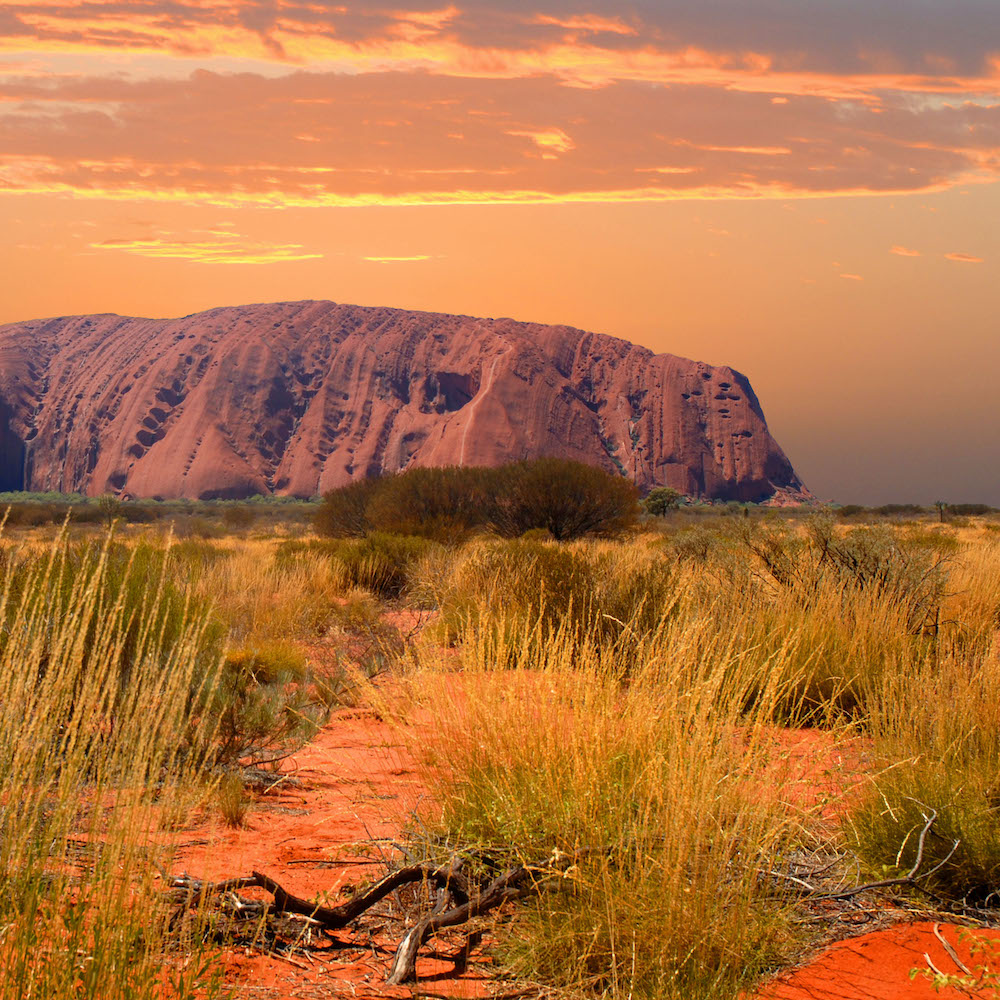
[(110, 508), (662, 499), (569, 499), (344, 511), (941, 507)]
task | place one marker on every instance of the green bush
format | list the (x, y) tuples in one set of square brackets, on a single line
[(262, 701), (446, 504), (564, 498), (344, 511), (568, 499)]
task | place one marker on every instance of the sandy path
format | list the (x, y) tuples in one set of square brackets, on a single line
[(354, 784)]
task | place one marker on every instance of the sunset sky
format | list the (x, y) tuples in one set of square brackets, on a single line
[(803, 189)]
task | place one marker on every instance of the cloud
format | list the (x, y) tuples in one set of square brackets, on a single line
[(943, 46), (964, 258), (904, 251), (397, 260), (418, 138), (234, 250), (550, 141), (853, 277)]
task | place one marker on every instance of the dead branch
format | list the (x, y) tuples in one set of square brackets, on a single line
[(459, 899)]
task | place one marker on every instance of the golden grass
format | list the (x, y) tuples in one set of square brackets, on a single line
[(651, 739), (99, 737), (634, 715)]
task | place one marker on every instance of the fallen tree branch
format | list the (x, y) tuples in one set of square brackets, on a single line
[(512, 885), (333, 917), (458, 899)]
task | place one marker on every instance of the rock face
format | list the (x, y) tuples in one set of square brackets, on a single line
[(300, 397)]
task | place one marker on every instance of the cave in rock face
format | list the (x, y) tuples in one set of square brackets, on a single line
[(11, 454)]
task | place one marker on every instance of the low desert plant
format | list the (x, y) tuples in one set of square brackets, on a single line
[(234, 802), (263, 700), (654, 785)]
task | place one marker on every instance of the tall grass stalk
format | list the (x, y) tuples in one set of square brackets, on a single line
[(99, 737), (658, 758)]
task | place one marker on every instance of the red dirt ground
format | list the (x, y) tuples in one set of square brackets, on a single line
[(877, 966), (354, 786)]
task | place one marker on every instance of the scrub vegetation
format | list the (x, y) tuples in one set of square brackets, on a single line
[(608, 716)]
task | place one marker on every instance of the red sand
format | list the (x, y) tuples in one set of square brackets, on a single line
[(357, 784), (877, 966)]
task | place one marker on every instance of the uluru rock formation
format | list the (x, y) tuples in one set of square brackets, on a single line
[(300, 397)]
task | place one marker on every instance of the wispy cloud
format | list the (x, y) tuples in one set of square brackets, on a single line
[(428, 102), (234, 250), (398, 260), (904, 251), (964, 258), (853, 277)]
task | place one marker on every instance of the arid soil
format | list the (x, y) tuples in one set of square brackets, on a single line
[(328, 822), (333, 813)]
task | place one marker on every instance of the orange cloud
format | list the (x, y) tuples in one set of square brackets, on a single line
[(904, 252), (214, 251), (554, 140), (740, 48), (853, 277), (397, 260), (414, 138), (964, 258)]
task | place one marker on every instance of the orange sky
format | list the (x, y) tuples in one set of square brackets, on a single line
[(803, 189)]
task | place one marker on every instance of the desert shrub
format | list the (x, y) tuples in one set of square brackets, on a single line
[(895, 509), (695, 543), (851, 510), (529, 591), (936, 730), (568, 499), (198, 527), (558, 755), (564, 498), (238, 517), (261, 697), (445, 504), (344, 511), (380, 562), (872, 558), (234, 802), (970, 509)]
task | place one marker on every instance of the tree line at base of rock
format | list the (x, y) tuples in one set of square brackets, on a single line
[(567, 499)]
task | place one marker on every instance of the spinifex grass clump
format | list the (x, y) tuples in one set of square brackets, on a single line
[(936, 729), (610, 593), (101, 678), (651, 770)]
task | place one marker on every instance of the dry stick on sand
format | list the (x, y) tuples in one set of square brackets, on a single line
[(471, 901), (452, 885), (911, 878)]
